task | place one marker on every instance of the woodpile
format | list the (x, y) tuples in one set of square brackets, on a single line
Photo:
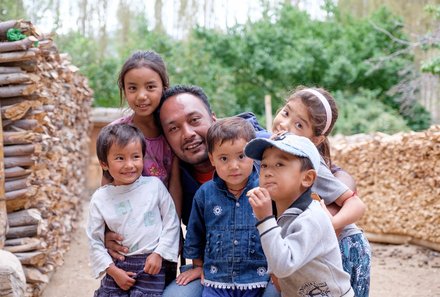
[(45, 114), (398, 178)]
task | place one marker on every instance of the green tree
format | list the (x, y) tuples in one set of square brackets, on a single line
[(101, 71), (12, 10)]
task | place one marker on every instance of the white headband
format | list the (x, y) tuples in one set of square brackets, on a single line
[(327, 108)]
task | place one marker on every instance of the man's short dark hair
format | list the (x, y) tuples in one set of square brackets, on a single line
[(190, 89)]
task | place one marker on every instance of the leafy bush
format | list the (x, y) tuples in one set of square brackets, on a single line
[(363, 113)]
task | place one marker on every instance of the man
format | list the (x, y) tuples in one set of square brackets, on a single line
[(185, 115)]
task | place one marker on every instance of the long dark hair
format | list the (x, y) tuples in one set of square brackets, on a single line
[(149, 59)]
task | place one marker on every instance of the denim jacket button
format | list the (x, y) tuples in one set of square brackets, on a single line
[(234, 273), (237, 204), (252, 251), (235, 242)]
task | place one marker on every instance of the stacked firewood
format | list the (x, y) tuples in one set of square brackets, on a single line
[(45, 112), (398, 178)]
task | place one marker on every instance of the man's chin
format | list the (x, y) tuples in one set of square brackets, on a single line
[(195, 159)]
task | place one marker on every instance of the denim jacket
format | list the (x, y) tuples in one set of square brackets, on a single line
[(222, 232)]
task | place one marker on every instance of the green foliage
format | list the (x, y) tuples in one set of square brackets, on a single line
[(432, 65), (12, 10), (195, 65), (284, 49), (101, 71), (363, 113), (288, 48)]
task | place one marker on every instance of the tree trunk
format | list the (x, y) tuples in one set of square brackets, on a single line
[(17, 78), (27, 65), (17, 90), (3, 209), (33, 275), (5, 26), (21, 137), (31, 258), (4, 70), (16, 185), (19, 150), (17, 56), (22, 231), (26, 124), (18, 161), (26, 244), (20, 45), (25, 217), (19, 110), (16, 171)]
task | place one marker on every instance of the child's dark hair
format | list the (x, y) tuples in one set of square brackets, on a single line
[(119, 134), (229, 129), (306, 164), (318, 115), (149, 59)]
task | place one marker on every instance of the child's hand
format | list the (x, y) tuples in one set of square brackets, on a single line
[(153, 264), (278, 133), (188, 276), (261, 203), (122, 278), (111, 241)]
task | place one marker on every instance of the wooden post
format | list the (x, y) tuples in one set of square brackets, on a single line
[(3, 212), (268, 109)]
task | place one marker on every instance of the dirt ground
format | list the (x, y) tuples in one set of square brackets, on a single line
[(397, 270)]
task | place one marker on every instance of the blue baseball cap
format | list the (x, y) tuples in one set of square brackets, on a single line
[(292, 144)]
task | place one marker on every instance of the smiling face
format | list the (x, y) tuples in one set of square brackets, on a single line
[(143, 89), (125, 163), (282, 176), (185, 121), (294, 117), (231, 164)]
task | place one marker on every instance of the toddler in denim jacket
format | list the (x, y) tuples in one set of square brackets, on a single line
[(221, 237)]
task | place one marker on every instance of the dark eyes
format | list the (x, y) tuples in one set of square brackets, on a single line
[(276, 165)]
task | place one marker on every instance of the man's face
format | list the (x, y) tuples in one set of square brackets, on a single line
[(185, 121)]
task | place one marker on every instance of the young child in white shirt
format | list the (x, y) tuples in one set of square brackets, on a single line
[(138, 207)]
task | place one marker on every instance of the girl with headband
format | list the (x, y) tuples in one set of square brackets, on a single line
[(312, 112)]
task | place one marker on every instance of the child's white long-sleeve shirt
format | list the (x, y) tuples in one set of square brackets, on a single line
[(142, 212)]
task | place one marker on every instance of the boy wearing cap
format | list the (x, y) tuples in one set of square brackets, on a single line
[(300, 245)]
